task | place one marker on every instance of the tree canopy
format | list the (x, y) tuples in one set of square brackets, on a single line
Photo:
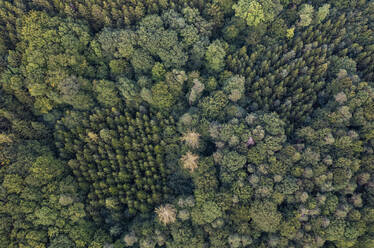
[(186, 123)]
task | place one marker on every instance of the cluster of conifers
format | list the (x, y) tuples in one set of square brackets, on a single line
[(118, 157)]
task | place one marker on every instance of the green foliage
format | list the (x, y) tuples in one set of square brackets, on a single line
[(186, 236), (212, 106), (290, 33), (289, 228), (53, 64), (35, 209), (306, 15), (165, 98), (342, 63), (46, 169), (165, 93), (322, 12), (215, 55), (335, 231), (114, 44), (61, 241), (116, 152), (158, 72), (234, 87), (233, 161), (257, 12), (288, 186), (13, 183), (106, 93), (207, 213), (160, 42), (265, 216), (273, 145), (251, 11), (45, 216), (129, 90)]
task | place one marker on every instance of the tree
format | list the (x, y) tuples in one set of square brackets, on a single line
[(234, 87), (153, 37), (61, 241), (265, 216), (113, 156), (114, 44), (45, 216), (46, 168), (107, 93), (129, 89), (233, 161), (215, 55), (290, 33), (212, 106), (191, 139), (142, 61), (13, 183), (306, 15), (158, 72), (242, 125), (162, 96), (256, 12), (166, 214), (322, 13), (196, 91), (189, 161), (207, 213), (53, 51), (130, 239)]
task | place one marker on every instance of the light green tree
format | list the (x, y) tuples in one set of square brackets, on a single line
[(322, 13), (306, 15), (215, 56), (255, 12)]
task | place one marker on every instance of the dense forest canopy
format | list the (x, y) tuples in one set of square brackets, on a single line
[(186, 124)]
